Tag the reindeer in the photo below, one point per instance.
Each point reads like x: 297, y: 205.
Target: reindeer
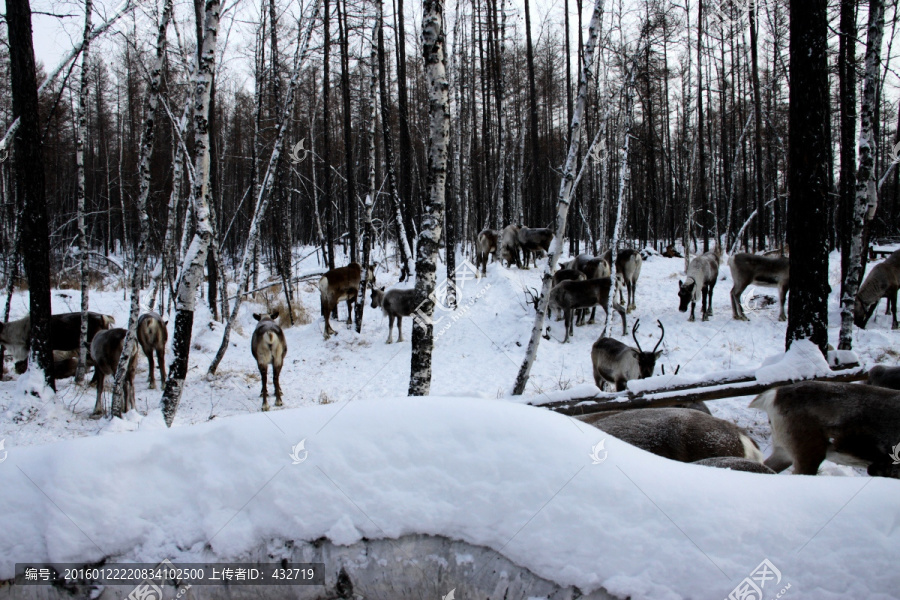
x: 594, y: 267
x: 559, y: 277
x: 733, y: 463
x: 341, y: 284
x: 106, y: 349
x: 571, y: 295
x: 268, y: 346
x: 508, y: 246
x: 886, y: 377
x: 883, y: 282
x: 65, y: 334
x: 679, y: 434
x: 701, y: 279
x: 758, y: 270
x: 484, y: 247
x: 856, y: 425
x: 628, y: 270
x: 534, y: 241
x: 152, y: 336
x: 396, y: 303
x: 618, y: 364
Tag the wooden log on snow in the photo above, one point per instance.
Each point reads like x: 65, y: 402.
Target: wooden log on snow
x: 697, y: 392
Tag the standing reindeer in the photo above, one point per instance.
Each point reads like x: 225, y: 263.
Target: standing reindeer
x: 701, y: 279
x: 152, y: 336
x: 268, y: 346
x: 883, y: 282
x: 628, y: 270
x: 508, y: 246
x: 856, y: 425
x: 534, y: 242
x: 571, y: 295
x: 396, y: 304
x: 618, y: 364
x: 341, y: 284
x: 484, y: 247
x: 758, y: 270
x: 106, y: 349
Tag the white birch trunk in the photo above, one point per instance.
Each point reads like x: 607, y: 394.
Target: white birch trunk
x: 866, y: 201
x: 565, y: 194
x: 147, y: 142
x: 195, y: 257
x: 430, y: 235
x: 501, y: 108
x: 81, y: 240
x: 262, y: 200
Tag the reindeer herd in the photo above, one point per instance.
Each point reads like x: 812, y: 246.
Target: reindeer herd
x: 857, y: 425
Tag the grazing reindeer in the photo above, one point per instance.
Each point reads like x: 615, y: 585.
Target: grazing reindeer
x: 65, y: 334
x: 341, y: 284
x: 508, y: 247
x: 758, y: 270
x: 882, y: 282
x: 886, y: 377
x: 856, y: 425
x: 558, y: 277
x: 534, y: 242
x: 396, y: 303
x: 594, y: 267
x: 678, y: 433
x: 701, y: 279
x: 268, y: 346
x: 106, y: 349
x: 618, y: 364
x: 152, y: 336
x: 628, y: 270
x: 571, y: 295
x: 485, y: 246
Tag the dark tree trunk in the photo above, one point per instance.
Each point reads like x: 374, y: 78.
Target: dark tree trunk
x: 847, y: 83
x: 406, y: 154
x: 534, y: 189
x: 807, y: 175
x: 29, y: 162
x: 757, y: 107
x: 348, y: 130
x: 326, y: 139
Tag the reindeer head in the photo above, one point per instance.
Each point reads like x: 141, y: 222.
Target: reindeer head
x: 265, y: 316
x: 377, y: 296
x: 862, y: 312
x: 533, y: 298
x: 686, y: 293
x: 647, y: 360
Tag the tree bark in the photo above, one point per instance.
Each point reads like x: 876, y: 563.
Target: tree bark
x: 565, y: 193
x: 348, y: 129
x: 29, y: 168
x: 808, y: 177
x: 761, y: 227
x: 866, y: 187
x: 80, y: 245
x: 433, y: 38
x: 195, y: 257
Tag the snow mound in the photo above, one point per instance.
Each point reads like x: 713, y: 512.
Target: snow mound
x: 802, y: 361
x: 520, y: 480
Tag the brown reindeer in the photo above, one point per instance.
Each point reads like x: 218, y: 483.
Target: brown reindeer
x: 485, y: 246
x: 508, y: 246
x: 106, y: 350
x: 883, y: 282
x: 569, y: 296
x: 152, y: 336
x: 341, y: 284
x: 628, y: 270
x: 618, y: 364
x: 534, y: 242
x: 702, y: 275
x: 758, y: 270
x: 268, y: 346
x: 856, y: 425
x: 65, y: 334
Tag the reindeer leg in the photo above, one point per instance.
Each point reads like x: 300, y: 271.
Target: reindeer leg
x: 709, y: 301
x: 399, y: 328
x: 691, y: 319
x: 892, y: 305
x: 593, y: 316
x: 568, y: 320
x: 276, y: 376
x: 784, y: 291
x: 151, y: 378
x: 350, y: 309
x: 779, y: 460
x: 98, y: 405
x: 621, y: 310
x: 264, y: 373
x: 704, y: 305
x: 161, y: 359
x: 738, y: 310
x: 390, y: 329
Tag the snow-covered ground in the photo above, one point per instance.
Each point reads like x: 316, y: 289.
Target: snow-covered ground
x: 472, y: 466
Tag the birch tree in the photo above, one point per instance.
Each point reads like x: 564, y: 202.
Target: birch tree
x: 433, y: 39
x: 262, y: 200
x: 565, y: 194
x: 148, y: 139
x: 195, y: 257
x: 80, y: 246
x: 866, y: 190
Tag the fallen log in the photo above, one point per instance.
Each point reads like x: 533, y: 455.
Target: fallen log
x: 696, y: 392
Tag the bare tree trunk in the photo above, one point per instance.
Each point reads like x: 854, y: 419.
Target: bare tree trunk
x: 848, y: 93
x: 433, y: 38
x: 565, y: 193
x: 757, y: 108
x: 195, y: 257
x: 121, y: 387
x: 80, y: 245
x: 866, y: 192
x: 348, y: 129
x: 262, y: 201
x: 30, y: 182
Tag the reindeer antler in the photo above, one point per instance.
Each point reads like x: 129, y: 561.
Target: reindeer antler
x: 533, y: 298
x: 633, y: 332
x: 658, y: 322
